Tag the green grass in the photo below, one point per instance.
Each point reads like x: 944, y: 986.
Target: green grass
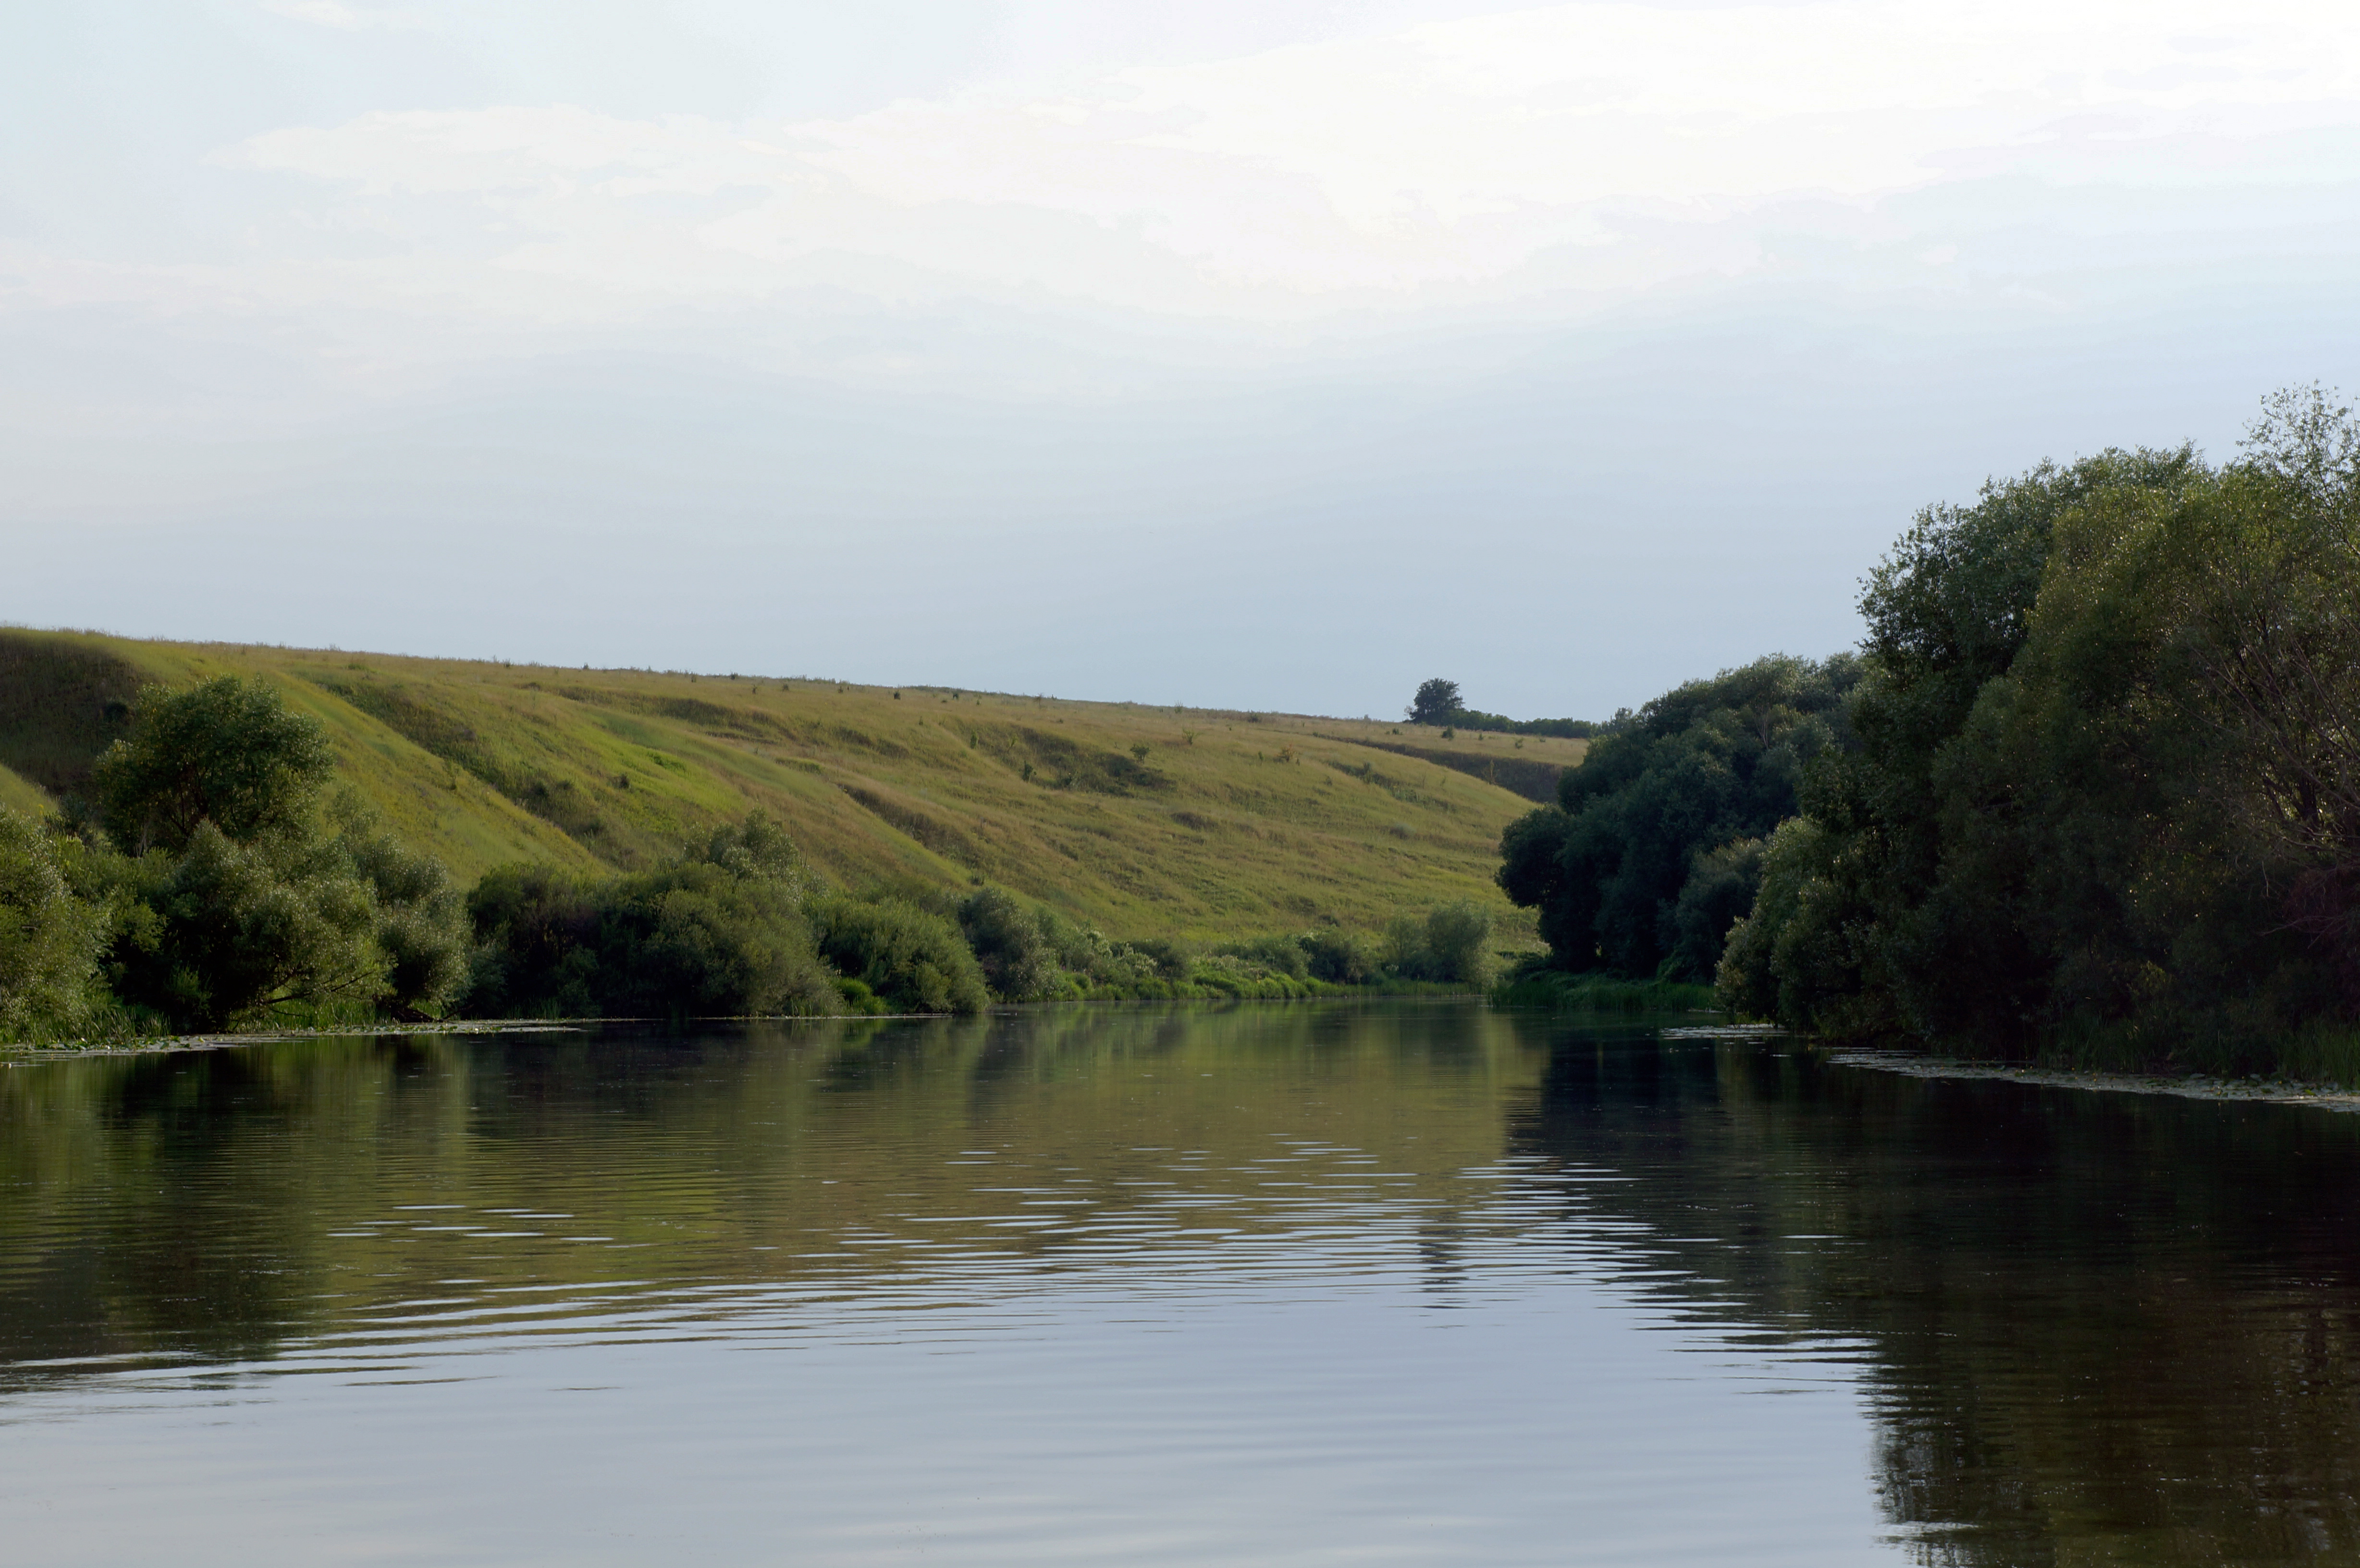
x: 1143, y: 821
x: 20, y: 793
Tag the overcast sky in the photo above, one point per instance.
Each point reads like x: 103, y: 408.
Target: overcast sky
x: 1275, y: 354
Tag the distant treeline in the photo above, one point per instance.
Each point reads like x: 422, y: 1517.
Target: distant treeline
x: 1499, y: 723
x: 1437, y: 702
x: 211, y: 880
x: 2089, y: 790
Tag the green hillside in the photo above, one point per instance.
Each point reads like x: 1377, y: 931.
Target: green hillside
x: 1143, y: 821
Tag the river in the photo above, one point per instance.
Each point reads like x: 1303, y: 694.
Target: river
x: 1315, y: 1284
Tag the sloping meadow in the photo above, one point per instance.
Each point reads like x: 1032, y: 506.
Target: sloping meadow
x: 1145, y: 820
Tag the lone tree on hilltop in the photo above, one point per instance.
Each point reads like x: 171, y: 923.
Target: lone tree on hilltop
x: 1437, y: 703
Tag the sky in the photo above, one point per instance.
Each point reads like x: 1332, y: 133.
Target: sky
x: 1277, y: 354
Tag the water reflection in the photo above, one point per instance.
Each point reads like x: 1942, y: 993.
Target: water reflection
x: 2098, y: 1327
x: 1415, y: 1283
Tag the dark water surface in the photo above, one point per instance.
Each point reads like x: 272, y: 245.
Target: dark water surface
x: 1301, y: 1285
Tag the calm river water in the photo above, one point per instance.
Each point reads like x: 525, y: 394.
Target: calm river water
x: 1315, y: 1284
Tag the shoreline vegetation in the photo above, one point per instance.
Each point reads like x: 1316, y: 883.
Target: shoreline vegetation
x: 214, y: 871
x: 2087, y: 797
x: 39, y: 1050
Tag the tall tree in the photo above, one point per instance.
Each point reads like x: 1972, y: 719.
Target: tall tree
x: 1437, y: 703
x: 225, y: 751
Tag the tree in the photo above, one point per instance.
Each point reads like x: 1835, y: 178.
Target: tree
x: 49, y: 939
x: 718, y: 933
x: 2107, y: 793
x: 227, y: 932
x: 1643, y: 865
x: 1450, y: 942
x: 916, y: 960
x: 1008, y: 942
x: 225, y: 751
x: 421, y: 922
x: 537, y: 944
x: 1437, y: 703
x: 235, y: 896
x: 696, y: 939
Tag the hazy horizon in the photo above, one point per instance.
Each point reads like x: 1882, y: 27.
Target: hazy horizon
x: 1272, y: 357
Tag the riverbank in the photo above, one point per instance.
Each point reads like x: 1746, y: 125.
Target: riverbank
x: 2275, y: 1090
x: 13, y: 1053
x: 161, y: 1045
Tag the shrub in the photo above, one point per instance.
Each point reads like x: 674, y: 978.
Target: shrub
x: 693, y: 940
x: 227, y: 932
x: 536, y: 935
x: 49, y: 939
x: 755, y: 849
x: 421, y: 922
x: 916, y: 961
x: 1010, y: 944
x: 1338, y: 957
x: 859, y: 999
x: 1449, y: 943
x: 1278, y: 955
x: 1089, y: 960
x: 1171, y: 960
x: 718, y: 933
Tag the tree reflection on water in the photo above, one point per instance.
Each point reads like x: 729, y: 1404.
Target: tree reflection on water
x: 2088, y: 1327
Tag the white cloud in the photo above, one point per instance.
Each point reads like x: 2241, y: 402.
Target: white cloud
x: 1451, y: 155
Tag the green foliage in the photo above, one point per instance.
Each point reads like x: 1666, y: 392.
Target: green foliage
x: 1171, y: 960
x: 1010, y: 946
x: 1718, y: 893
x: 1633, y: 871
x: 695, y: 940
x: 1792, y: 957
x: 2106, y: 798
x: 1277, y: 955
x: 718, y: 933
x: 911, y: 958
x: 755, y: 849
x: 49, y: 939
x: 224, y: 933
x: 235, y: 902
x: 225, y: 751
x: 1339, y: 957
x: 1437, y: 703
x: 1449, y: 943
x: 536, y: 953
x: 421, y: 920
x: 1233, y: 976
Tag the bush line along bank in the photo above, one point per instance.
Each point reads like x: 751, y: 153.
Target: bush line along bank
x: 2090, y: 792
x: 212, y: 880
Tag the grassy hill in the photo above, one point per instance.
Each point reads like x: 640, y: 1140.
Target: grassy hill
x: 1143, y: 821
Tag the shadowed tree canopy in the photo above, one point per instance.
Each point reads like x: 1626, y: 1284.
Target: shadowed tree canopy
x: 225, y: 752
x: 1653, y: 849
x: 2107, y: 791
x: 239, y: 896
x: 1437, y: 703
